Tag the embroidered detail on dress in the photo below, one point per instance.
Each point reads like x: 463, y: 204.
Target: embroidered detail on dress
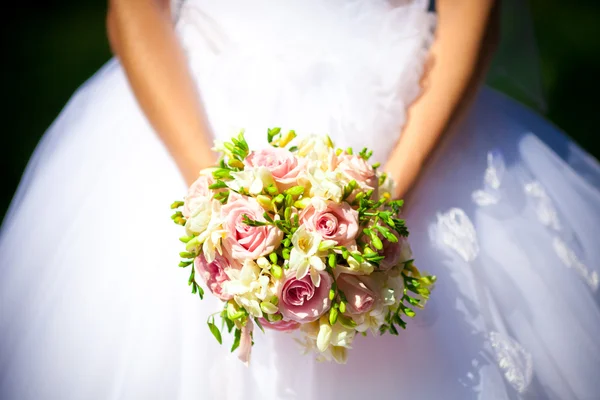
x: 513, y: 360
x: 570, y: 259
x: 455, y: 230
x: 545, y: 210
x: 492, y: 180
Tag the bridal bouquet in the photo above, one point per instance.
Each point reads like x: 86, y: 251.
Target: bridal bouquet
x: 299, y: 236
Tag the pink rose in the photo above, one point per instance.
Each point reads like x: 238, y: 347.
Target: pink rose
x: 338, y: 221
x: 301, y: 301
x: 281, y: 326
x: 198, y: 190
x: 283, y: 165
x: 245, y: 241
x: 356, y: 168
x: 391, y: 251
x: 394, y: 253
x: 362, y: 292
x: 213, y: 274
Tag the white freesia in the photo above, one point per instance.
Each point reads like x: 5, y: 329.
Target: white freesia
x: 360, y: 267
x: 388, y: 185
x: 315, y: 147
x: 395, y: 282
x: 198, y: 222
x: 328, y: 342
x: 304, y: 258
x: 323, y: 184
x: 252, y: 180
x: 219, y: 147
x: 388, y: 296
x: 371, y: 320
x: 341, y: 336
x: 324, y: 335
x: 249, y: 287
x: 405, y: 251
x: 339, y: 354
x: 263, y: 263
x: 207, y: 226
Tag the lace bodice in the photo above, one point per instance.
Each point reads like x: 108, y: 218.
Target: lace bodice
x: 348, y: 68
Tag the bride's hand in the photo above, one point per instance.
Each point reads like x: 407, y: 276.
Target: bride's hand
x: 404, y: 171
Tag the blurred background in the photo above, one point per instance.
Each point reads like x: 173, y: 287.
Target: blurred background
x: 52, y: 46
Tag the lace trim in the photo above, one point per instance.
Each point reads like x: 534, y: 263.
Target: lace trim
x: 514, y: 361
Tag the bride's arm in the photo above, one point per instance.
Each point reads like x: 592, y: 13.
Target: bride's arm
x: 142, y: 35
x: 465, y: 40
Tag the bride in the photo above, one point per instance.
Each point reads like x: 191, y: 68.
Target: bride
x: 505, y: 211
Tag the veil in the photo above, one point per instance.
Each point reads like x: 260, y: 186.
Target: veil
x: 515, y: 69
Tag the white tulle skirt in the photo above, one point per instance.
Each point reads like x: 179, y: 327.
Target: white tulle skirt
x: 93, y: 306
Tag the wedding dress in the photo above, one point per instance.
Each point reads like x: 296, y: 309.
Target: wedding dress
x: 507, y: 215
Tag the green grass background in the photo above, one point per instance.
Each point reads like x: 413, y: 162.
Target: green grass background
x: 51, y: 47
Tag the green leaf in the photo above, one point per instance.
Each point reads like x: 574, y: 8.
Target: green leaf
x: 408, y: 312
x: 383, y: 329
x: 236, y: 340
x: 259, y: 325
x: 385, y: 232
x: 185, y: 254
x: 250, y: 222
x: 215, y: 331
x: 184, y: 264
x: 293, y: 149
x: 200, y: 292
x: 393, y: 330
x: 399, y: 321
x: 267, y: 217
x: 412, y: 301
x: 229, y: 323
